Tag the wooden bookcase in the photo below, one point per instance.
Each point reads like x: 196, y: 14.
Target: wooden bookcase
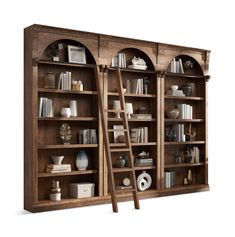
x: 41, y: 134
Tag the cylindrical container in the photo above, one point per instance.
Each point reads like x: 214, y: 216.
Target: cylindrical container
x: 66, y: 112
x: 82, y: 160
x: 73, y: 108
x: 55, y: 194
x: 49, y: 80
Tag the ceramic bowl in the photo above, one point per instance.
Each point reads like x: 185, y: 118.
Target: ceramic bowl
x: 57, y: 159
x: 174, y: 87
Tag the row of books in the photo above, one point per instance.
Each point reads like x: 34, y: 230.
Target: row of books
x: 51, y: 168
x: 186, y: 111
x: 87, y: 136
x: 169, y: 179
x: 119, y: 60
x: 176, y: 66
x: 136, y: 86
x: 139, y: 135
x: 65, y: 81
x: 45, y: 107
x: 179, y: 132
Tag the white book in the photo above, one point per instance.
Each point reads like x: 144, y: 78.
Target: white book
x: 181, y: 69
x: 44, y: 109
x: 40, y: 107
x: 69, y: 81
x: 60, y: 81
x: 177, y: 66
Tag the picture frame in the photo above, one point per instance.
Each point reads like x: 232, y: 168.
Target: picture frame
x: 76, y: 54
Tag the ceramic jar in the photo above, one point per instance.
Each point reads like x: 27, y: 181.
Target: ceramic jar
x: 120, y: 162
x: 172, y: 113
x: 49, y: 80
x: 187, y: 89
x: 66, y: 112
x: 82, y: 160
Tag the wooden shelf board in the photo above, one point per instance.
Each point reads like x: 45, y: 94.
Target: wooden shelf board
x: 66, y: 201
x: 184, y: 120
x: 133, y: 70
x: 132, y: 120
x: 67, y: 119
x: 133, y: 144
x: 133, y: 95
x: 67, y: 64
x: 184, y: 143
x: 183, y: 97
x: 185, y: 187
x: 45, y: 90
x: 145, y: 167
x: 184, y: 75
x: 183, y: 165
x: 74, y: 172
x: 62, y: 146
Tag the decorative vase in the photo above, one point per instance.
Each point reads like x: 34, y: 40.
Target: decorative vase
x: 82, y: 160
x: 172, y: 113
x: 49, y: 80
x: 120, y: 162
x: 73, y: 108
x: 57, y: 160
x: 55, y: 194
x: 66, y: 112
x: 187, y: 89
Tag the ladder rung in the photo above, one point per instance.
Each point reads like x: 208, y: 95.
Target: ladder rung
x: 117, y: 129
x: 118, y: 145
x: 115, y: 110
x: 120, y: 150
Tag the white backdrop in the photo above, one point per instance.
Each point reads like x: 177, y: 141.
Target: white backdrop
x: 202, y: 24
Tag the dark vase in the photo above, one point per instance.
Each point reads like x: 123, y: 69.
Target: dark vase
x: 187, y: 90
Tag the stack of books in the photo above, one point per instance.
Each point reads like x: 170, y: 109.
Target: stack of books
x: 136, y: 86
x: 139, y: 135
x: 87, y: 136
x: 177, y: 66
x: 179, y: 131
x: 65, y: 81
x: 52, y: 168
x: 169, y: 179
x: 45, y: 107
x: 119, y: 60
x: 186, y: 111
x: 141, y: 116
x: 175, y: 93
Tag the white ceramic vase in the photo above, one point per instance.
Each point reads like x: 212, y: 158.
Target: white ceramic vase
x: 82, y: 160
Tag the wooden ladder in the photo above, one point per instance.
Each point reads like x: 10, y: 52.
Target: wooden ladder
x: 104, y: 112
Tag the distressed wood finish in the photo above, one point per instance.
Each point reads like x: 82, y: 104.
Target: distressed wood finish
x: 41, y: 134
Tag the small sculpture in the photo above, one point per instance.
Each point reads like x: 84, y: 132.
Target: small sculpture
x: 188, y: 64
x: 170, y: 134
x: 138, y: 61
x: 65, y: 133
x: 189, y: 135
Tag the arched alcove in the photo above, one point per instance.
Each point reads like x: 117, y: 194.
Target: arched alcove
x: 130, y: 53
x: 189, y: 64
x: 59, y: 49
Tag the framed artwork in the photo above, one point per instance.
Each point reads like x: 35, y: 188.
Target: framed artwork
x: 76, y: 54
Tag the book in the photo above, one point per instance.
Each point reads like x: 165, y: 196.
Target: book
x: 142, y: 116
x: 62, y: 166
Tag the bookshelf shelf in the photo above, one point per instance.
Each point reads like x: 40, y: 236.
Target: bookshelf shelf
x: 42, y: 138
x: 69, y: 146
x: 67, y: 119
x: 132, y: 120
x: 72, y: 173
x: 184, y: 76
x: 65, y: 64
x: 185, y: 143
x: 183, y: 97
x: 134, y: 70
x: 167, y: 166
x: 43, y: 90
x: 133, y: 95
x: 184, y: 120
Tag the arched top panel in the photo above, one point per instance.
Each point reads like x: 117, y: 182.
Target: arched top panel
x: 130, y: 53
x: 185, y: 64
x: 66, y: 50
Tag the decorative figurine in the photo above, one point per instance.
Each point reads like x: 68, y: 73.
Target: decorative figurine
x: 55, y: 194
x: 65, y: 133
x: 189, y: 135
